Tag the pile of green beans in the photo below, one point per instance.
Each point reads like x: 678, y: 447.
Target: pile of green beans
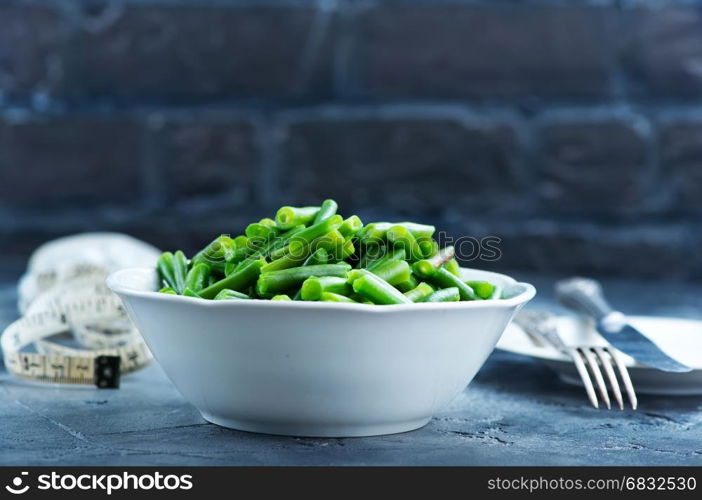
x: 314, y: 254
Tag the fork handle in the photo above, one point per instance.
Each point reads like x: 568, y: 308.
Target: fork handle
x: 583, y: 295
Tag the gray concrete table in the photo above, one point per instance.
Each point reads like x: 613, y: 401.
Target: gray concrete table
x: 516, y: 412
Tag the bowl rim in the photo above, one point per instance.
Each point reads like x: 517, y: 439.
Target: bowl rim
x: 529, y: 291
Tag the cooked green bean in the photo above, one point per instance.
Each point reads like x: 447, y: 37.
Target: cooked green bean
x: 285, y: 262
x: 238, y: 280
x: 444, y: 295
x: 281, y: 298
x: 197, y: 277
x: 312, y: 288
x: 228, y: 294
x: 320, y: 256
x: 401, y: 237
x: 180, y: 270
x: 311, y: 233
x: 307, y: 253
x: 408, y: 285
x: 428, y: 247
x: 260, y: 233
x: 165, y: 270
x: 443, y: 278
x: 419, y: 292
x: 391, y: 254
x: 288, y: 217
x: 378, y: 290
x: 393, y: 271
x: 453, y: 267
x: 483, y: 289
x: 335, y: 297
x: 378, y: 230
x: 326, y: 210
x: 280, y: 281
x: 442, y: 256
x: 351, y: 226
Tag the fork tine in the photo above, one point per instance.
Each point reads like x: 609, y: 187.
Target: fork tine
x: 595, y: 369
x: 606, y: 362
x: 582, y: 371
x: 624, y: 374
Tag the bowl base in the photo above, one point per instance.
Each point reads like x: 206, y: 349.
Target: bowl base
x: 317, y: 430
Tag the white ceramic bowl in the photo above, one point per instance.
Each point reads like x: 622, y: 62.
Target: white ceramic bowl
x: 317, y: 369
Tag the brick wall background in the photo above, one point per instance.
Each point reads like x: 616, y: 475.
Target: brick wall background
x: 571, y: 129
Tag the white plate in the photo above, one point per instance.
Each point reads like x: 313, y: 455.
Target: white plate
x: 680, y: 338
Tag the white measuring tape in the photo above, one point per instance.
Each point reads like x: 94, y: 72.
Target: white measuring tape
x: 71, y: 298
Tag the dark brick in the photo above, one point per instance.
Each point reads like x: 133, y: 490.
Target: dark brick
x: 593, y: 165
x: 478, y: 51
x: 406, y: 165
x: 681, y: 162
x: 177, y: 51
x: 30, y: 46
x: 201, y: 156
x: 69, y: 160
x: 551, y: 247
x: 662, y: 50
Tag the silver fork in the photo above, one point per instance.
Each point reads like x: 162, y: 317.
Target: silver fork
x: 541, y: 328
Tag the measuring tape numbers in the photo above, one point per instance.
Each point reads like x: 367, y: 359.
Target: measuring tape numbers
x: 84, y: 307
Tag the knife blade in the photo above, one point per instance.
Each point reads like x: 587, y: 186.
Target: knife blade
x: 585, y: 296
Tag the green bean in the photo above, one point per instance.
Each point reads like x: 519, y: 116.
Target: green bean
x: 312, y: 288
x: 280, y: 281
x: 444, y: 295
x: 285, y: 262
x: 483, y: 289
x: 227, y: 294
x: 320, y: 256
x: 241, y: 241
x: 453, y: 267
x: 168, y: 290
x: 419, y: 292
x: 346, y: 250
x: 442, y: 256
x: 426, y: 267
x: 390, y: 255
x: 393, y: 271
x: 429, y: 247
x: 378, y: 290
x: 238, y: 280
x: 288, y: 217
x: 351, y: 226
x: 442, y: 278
x: 378, y: 230
x: 218, y: 251
x: 190, y: 293
x: 419, y: 231
x: 165, y: 270
x: 260, y: 233
x: 281, y: 298
x: 308, y: 235
x: 408, y: 285
x: 332, y: 242
x: 401, y: 237
x: 197, y: 277
x: 180, y: 270
x: 326, y: 210
x: 335, y: 297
